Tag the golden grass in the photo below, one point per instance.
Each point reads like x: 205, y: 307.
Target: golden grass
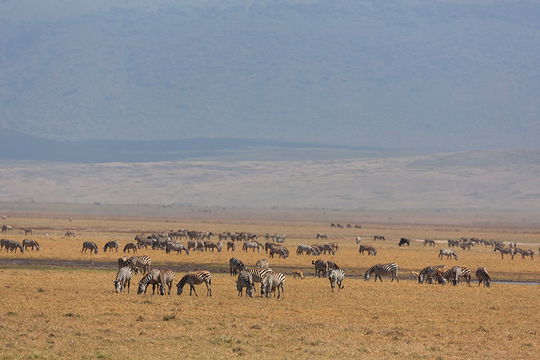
x: 50, y: 314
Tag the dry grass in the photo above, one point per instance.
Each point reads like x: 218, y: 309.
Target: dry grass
x: 74, y: 313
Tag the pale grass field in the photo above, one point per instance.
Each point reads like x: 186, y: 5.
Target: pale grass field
x: 66, y: 313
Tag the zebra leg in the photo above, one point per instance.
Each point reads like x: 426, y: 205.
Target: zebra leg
x: 128, y: 284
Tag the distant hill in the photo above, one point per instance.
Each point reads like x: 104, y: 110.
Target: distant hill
x: 473, y: 181
x: 15, y: 145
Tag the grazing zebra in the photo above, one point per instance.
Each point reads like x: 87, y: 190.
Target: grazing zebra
x: 123, y: 278
x: 336, y: 277
x: 231, y: 246
x: 245, y: 280
x: 370, y: 250
x: 429, y: 242
x: 166, y: 277
x: 453, y: 275
x: 523, y: 253
x: 210, y: 245
x: 404, y: 241
x: 382, y: 269
x: 130, y: 246
x: 271, y: 282
x: 113, y: 244
x: 428, y: 273
x: 195, y: 278
x: 89, y: 245
x: 235, y: 266
x: 483, y: 277
x: 447, y: 253
x: 262, y: 264
x: 140, y: 263
x: 27, y: 243
x: 321, y: 267
x: 11, y: 245
x: 504, y: 251
x: 251, y: 245
x: 304, y: 249
x: 258, y: 274
x: 464, y: 273
x: 298, y: 274
x: 152, y: 278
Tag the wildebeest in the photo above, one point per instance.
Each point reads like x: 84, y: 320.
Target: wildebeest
x: 130, y: 246
x: 113, y: 244
x: 178, y: 247
x: 27, y: 243
x: 404, y: 241
x: 89, y: 245
x: 321, y: 267
x: 280, y: 250
x: 370, y: 250
x: 70, y: 233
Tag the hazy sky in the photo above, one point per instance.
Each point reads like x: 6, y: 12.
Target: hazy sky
x: 425, y: 75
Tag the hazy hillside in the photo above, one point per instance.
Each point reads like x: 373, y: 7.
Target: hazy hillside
x: 435, y: 75
x: 471, y: 180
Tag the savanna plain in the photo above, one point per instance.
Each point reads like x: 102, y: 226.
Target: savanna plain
x: 60, y: 303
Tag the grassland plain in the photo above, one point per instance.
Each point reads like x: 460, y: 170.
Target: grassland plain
x: 58, y: 312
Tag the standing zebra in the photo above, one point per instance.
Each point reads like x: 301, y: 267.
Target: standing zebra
x: 235, y: 266
x: 370, y: 250
x: 382, y: 269
x: 271, y: 282
x: 429, y: 242
x: 195, y: 278
x: 166, y: 277
x: 336, y: 277
x: 89, y: 245
x: 447, y: 253
x: 123, y: 278
x: 141, y: 263
x: 503, y: 251
x: 483, y: 276
x: 152, y: 278
x: 245, y: 280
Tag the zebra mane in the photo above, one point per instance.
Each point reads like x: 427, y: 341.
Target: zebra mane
x: 183, y: 280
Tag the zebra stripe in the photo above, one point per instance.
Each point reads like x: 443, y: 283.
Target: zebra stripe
x: 166, y: 277
x: 378, y: 270
x: 123, y: 278
x: 483, y: 277
x: 447, y: 253
x: 428, y: 273
x: 271, y: 282
x: 140, y: 263
x: 195, y: 278
x: 457, y: 273
x: 257, y: 275
x: 336, y: 277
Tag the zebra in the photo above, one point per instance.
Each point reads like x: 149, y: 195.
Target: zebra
x: 404, y: 241
x: 271, y: 282
x: 130, y: 246
x: 321, y: 236
x: 27, y: 231
x: 11, y: 245
x: 301, y: 249
x: 523, y: 253
x: 336, y: 277
x: 245, y: 280
x: 235, y: 266
x: 504, y: 251
x: 382, y: 269
x: 122, y: 262
x: 453, y: 275
x: 166, y: 277
x: 330, y: 248
x: 447, y: 253
x: 251, y: 245
x: 195, y: 278
x: 262, y: 264
x: 370, y: 250
x: 231, y: 246
x: 378, y: 237
x: 321, y: 267
x: 483, y: 276
x: 27, y: 243
x: 429, y: 242
x: 89, y: 245
x: 464, y: 273
x: 258, y: 274
x: 140, y: 263
x: 427, y: 273
x: 151, y: 278
x: 123, y: 278
x: 113, y: 244
x: 70, y: 233
x: 210, y: 245
x: 176, y: 247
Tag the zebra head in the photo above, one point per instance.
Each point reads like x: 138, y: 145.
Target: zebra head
x: 179, y: 289
x: 117, y: 286
x: 142, y: 288
x: 367, y: 275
